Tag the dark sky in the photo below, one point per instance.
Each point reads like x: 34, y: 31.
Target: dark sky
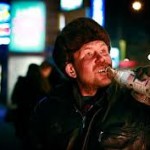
x: 134, y: 27
x: 121, y: 14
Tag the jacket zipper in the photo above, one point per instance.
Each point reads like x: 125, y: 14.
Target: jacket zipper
x: 83, y: 116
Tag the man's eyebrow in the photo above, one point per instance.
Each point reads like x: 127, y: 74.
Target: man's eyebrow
x: 86, y: 47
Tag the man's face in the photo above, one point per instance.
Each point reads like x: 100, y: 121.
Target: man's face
x: 90, y: 64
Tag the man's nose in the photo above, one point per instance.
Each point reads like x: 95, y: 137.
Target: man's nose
x: 99, y: 58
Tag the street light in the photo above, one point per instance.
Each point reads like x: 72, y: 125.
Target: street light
x: 137, y: 5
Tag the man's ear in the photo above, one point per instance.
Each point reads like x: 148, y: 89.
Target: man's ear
x: 70, y: 70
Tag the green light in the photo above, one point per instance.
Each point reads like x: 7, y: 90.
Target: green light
x: 27, y: 27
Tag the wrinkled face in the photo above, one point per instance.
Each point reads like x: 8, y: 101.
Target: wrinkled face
x: 90, y: 63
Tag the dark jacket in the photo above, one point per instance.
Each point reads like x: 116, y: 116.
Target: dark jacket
x: 110, y: 120
x: 27, y: 91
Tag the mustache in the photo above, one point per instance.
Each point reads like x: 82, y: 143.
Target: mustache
x: 98, y: 66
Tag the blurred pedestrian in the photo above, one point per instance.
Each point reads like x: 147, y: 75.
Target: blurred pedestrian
x: 24, y: 96
x: 27, y: 91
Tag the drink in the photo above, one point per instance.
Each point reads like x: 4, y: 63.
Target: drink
x: 127, y: 78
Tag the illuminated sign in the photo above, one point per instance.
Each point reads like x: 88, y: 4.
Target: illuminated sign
x: 4, y: 29
x: 27, y: 26
x: 115, y: 55
x: 97, y: 11
x: 4, y: 23
x: 68, y: 5
x: 4, y: 13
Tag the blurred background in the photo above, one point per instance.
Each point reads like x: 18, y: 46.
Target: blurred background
x: 28, y: 29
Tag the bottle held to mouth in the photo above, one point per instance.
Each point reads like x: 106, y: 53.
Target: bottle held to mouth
x: 127, y: 78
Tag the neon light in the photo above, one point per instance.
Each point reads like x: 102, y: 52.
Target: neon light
x: 4, y: 23
x: 97, y: 11
x: 4, y: 29
x: 68, y: 5
x: 61, y: 21
x: 4, y: 12
x: 28, y: 27
x: 114, y: 53
x: 4, y: 40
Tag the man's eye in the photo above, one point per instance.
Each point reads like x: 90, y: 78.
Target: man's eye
x: 89, y: 54
x: 104, y: 51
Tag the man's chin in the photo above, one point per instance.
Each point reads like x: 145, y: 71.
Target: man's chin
x: 104, y: 83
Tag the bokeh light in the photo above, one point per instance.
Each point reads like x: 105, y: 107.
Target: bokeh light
x: 137, y: 5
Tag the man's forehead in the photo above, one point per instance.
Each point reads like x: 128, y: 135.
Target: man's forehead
x: 93, y: 43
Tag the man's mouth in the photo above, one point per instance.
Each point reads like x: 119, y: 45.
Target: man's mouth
x: 104, y: 70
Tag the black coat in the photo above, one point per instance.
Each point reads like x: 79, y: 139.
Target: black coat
x: 112, y: 120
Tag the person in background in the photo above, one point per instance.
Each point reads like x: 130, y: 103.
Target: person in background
x: 89, y: 111
x: 27, y: 91
x: 24, y: 96
x: 45, y: 70
x: 50, y: 76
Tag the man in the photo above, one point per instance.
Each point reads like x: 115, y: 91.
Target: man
x: 89, y: 111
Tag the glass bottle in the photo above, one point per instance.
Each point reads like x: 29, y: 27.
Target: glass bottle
x: 126, y: 77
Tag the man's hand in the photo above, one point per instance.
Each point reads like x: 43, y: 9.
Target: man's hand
x: 143, y: 73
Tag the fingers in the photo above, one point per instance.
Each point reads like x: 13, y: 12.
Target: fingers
x: 141, y: 98
x: 147, y: 70
x: 143, y: 73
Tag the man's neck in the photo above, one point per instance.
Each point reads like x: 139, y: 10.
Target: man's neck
x: 87, y: 90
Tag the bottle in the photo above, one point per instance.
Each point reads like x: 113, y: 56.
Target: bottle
x: 127, y: 78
